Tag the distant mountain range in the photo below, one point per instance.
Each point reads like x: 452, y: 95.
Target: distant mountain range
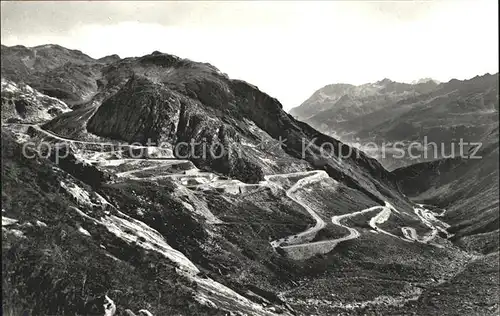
x: 389, y: 112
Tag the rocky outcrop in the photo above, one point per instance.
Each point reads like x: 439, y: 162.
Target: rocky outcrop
x: 23, y: 104
x: 109, y: 59
x: 142, y: 110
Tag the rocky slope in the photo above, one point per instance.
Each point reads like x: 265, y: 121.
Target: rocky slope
x: 66, y: 74
x: 21, y: 103
x: 120, y: 213
x: 389, y: 112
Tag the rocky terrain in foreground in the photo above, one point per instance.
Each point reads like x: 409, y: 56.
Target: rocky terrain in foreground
x: 111, y: 207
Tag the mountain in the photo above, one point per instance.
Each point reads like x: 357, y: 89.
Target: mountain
x: 171, y: 189
x: 344, y: 102
x: 162, y: 98
x: 66, y: 74
x: 422, y: 113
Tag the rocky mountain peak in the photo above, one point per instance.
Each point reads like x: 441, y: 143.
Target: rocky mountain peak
x: 425, y: 80
x: 384, y: 81
x: 109, y: 59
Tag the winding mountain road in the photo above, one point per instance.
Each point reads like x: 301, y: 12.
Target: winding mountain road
x: 302, y: 239
x: 379, y: 218
x: 310, y: 177
x: 428, y: 218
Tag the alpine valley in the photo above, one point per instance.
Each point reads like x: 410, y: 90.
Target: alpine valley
x: 426, y: 119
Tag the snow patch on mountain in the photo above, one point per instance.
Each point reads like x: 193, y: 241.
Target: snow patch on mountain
x: 22, y: 103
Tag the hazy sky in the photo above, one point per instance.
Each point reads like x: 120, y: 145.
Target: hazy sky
x: 287, y: 49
